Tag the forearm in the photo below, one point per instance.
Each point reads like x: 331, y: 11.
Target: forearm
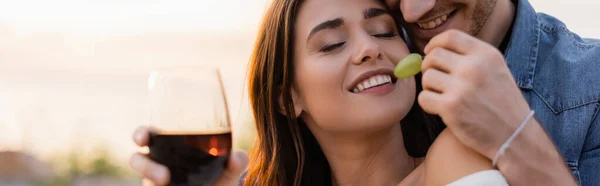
x: 533, y: 159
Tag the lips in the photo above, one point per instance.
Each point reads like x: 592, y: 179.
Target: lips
x: 372, y: 79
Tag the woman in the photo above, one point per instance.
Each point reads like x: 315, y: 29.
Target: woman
x: 327, y: 107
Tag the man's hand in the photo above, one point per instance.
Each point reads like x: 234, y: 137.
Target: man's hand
x: 467, y: 82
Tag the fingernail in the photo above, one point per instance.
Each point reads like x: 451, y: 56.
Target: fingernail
x: 138, y: 137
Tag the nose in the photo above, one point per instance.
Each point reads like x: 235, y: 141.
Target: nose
x: 415, y: 9
x: 368, y: 51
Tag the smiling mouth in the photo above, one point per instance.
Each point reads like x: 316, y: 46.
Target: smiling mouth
x: 374, y: 81
x: 435, y: 22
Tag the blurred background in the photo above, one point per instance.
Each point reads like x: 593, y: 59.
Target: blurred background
x: 73, y: 76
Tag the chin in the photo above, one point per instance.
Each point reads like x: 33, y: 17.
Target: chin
x: 382, y: 118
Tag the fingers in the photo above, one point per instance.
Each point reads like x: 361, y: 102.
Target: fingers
x: 154, y: 173
x: 238, y: 161
x: 436, y: 81
x: 429, y: 101
x: 151, y: 170
x: 453, y: 40
x: 141, y: 136
x: 441, y: 59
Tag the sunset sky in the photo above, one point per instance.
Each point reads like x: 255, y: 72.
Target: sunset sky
x: 73, y: 73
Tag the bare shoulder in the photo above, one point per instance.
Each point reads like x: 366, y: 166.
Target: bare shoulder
x: 449, y: 160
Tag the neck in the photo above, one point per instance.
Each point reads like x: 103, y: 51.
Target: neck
x: 376, y: 158
x: 498, y: 23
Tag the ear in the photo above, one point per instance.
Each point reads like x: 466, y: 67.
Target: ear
x: 296, y: 102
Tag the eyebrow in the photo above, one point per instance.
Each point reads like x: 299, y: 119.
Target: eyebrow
x: 326, y: 25
x: 374, y: 12
x: 331, y: 24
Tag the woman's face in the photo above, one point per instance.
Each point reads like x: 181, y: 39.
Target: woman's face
x: 344, y: 55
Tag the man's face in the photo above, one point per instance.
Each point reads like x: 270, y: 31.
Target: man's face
x: 424, y: 19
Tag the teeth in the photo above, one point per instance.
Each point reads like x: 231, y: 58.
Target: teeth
x: 367, y: 84
x: 435, y: 23
x: 371, y: 82
x: 379, y: 80
x: 432, y: 24
x: 438, y: 21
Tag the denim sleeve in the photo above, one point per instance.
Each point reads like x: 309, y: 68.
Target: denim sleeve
x: 589, y: 163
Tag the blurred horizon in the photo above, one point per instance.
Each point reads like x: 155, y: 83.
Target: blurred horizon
x: 73, y: 73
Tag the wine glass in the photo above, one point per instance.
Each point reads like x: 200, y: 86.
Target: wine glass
x: 191, y: 132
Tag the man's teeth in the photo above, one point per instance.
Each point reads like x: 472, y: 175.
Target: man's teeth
x: 372, y: 82
x: 435, y: 23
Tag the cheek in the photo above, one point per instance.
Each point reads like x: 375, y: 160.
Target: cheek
x: 395, y: 50
x: 463, y: 20
x: 320, y: 82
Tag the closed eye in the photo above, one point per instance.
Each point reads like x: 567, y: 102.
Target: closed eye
x: 328, y: 48
x: 386, y: 35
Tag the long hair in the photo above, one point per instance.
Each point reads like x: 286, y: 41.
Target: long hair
x: 285, y: 151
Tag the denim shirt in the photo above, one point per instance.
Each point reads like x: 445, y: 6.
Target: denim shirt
x: 558, y: 72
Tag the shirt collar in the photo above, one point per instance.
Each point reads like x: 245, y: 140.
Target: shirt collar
x: 522, y: 50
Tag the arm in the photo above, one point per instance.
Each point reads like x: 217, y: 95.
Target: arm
x: 449, y: 160
x: 415, y: 177
x: 532, y: 159
x: 467, y: 82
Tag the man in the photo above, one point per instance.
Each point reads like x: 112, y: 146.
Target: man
x: 468, y: 83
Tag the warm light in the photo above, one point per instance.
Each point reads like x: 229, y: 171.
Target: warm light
x: 213, y: 151
x: 213, y: 143
x: 152, y: 80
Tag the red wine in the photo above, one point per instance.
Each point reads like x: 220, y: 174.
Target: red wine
x: 194, y: 159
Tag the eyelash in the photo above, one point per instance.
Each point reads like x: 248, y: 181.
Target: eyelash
x: 386, y: 35
x: 328, y: 48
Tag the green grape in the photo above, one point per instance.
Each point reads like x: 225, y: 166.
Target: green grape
x: 408, y: 66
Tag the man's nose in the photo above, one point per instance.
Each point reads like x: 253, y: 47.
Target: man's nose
x: 415, y: 9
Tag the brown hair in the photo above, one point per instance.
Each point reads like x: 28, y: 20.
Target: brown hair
x: 286, y: 152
